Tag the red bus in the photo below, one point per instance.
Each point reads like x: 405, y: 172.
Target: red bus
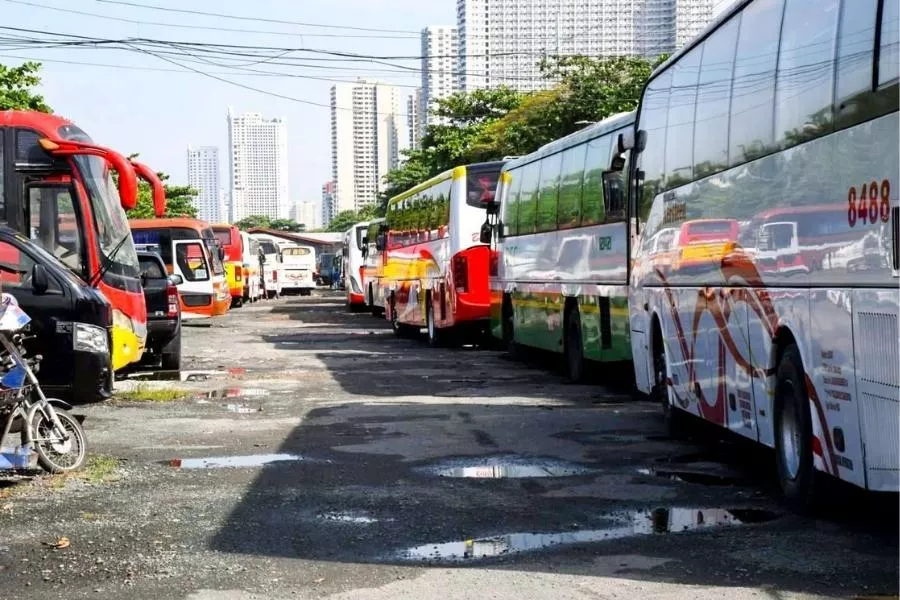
x: 58, y: 189
x: 436, y: 267
x: 229, y: 238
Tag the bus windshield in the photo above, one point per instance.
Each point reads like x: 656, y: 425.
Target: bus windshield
x: 110, y: 223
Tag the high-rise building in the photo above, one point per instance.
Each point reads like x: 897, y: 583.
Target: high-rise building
x: 305, y: 212
x: 414, y: 119
x: 329, y: 206
x: 203, y: 176
x: 440, y: 68
x: 501, y: 42
x: 719, y: 6
x: 259, y: 166
x: 365, y: 118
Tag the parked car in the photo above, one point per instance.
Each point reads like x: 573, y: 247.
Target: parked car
x: 163, y: 312
x: 71, y: 322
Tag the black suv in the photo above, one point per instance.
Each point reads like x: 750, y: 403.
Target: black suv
x: 163, y: 312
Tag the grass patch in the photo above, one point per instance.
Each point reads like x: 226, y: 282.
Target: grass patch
x: 99, y: 468
x: 145, y: 393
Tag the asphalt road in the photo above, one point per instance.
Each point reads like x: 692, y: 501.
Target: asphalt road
x: 318, y: 456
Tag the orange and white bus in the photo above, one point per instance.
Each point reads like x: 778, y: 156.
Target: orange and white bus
x: 373, y: 266
x: 436, y: 267
x: 229, y: 238
x: 190, y: 249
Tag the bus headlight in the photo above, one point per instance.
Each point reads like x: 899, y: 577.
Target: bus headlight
x: 90, y: 338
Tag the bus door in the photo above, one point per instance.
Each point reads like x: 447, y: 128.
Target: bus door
x: 53, y: 221
x: 197, y: 292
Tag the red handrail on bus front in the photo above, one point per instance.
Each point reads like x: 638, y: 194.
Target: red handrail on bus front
x: 127, y: 177
x: 159, y: 192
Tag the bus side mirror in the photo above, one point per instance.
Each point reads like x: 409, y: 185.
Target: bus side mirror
x: 487, y: 233
x: 40, y: 280
x: 632, y: 140
x: 379, y: 242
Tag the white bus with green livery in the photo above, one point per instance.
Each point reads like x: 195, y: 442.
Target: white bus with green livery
x: 559, y: 271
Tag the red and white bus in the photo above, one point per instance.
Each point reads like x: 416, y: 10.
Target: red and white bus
x: 770, y: 143
x: 436, y: 268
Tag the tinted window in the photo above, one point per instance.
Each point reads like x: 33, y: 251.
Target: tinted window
x: 803, y: 97
x: 528, y: 197
x: 753, y: 88
x: 511, y: 201
x: 714, y: 100
x: 889, y: 53
x: 855, y: 45
x: 596, y: 161
x: 150, y: 268
x: 549, y: 192
x: 296, y: 251
x: 571, y: 179
x: 680, y: 124
x: 2, y: 196
x: 654, y: 109
x: 481, y: 186
x: 191, y: 261
x: 54, y: 224
x: 16, y: 267
x: 442, y: 201
x: 269, y: 247
x: 224, y: 236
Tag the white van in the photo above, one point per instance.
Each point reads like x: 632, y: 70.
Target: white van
x: 271, y: 264
x: 252, y: 268
x: 299, y: 268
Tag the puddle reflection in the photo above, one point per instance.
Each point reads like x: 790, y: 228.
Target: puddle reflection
x: 626, y: 524
x: 222, y: 462
x: 504, y: 467
x: 356, y: 519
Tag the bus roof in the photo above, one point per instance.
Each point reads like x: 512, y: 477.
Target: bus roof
x: 454, y: 172
x: 355, y: 226
x: 172, y: 222
x: 224, y: 227
x: 46, y: 123
x: 590, y: 132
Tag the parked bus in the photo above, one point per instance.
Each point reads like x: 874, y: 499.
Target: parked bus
x: 299, y: 267
x: 436, y: 267
x: 270, y: 259
x: 781, y: 111
x: 352, y: 265
x: 190, y: 249
x: 560, y: 280
x: 229, y: 238
x: 373, y: 266
x: 58, y: 190
x: 252, y: 268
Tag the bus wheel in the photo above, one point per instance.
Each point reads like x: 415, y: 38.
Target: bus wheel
x: 509, y: 332
x: 395, y: 318
x: 434, y: 336
x: 574, y: 351
x: 793, y: 432
x: 374, y: 309
x: 674, y: 419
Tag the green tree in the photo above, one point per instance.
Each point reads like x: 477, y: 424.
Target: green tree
x: 17, y: 88
x: 344, y: 219
x: 253, y: 221
x: 287, y: 225
x: 179, y: 201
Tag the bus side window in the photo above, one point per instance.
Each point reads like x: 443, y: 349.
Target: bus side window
x: 2, y: 196
x: 571, y: 182
x: 596, y: 162
x: 889, y: 52
x: 680, y: 124
x: 713, y: 101
x: 654, y: 109
x: 531, y: 178
x: 855, y: 50
x: 511, y: 202
x: 805, y: 84
x: 548, y: 193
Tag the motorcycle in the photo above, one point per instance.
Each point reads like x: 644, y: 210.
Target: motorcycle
x: 45, y: 425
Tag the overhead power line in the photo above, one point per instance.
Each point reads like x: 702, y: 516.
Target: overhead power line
x: 257, y: 19
x: 207, y: 27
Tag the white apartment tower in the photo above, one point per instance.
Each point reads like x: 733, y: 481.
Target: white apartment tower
x: 440, y: 67
x: 259, y: 166
x: 365, y: 118
x: 501, y: 42
x: 414, y: 119
x: 203, y: 176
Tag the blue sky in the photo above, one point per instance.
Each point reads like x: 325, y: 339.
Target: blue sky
x: 158, y: 113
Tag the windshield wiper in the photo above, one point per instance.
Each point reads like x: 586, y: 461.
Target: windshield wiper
x: 109, y: 260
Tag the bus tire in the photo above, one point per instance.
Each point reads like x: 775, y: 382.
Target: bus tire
x: 170, y: 354
x: 372, y: 308
x: 675, y: 420
x: 793, y: 432
x: 574, y: 351
x: 432, y: 334
x: 396, y: 326
x: 509, y: 328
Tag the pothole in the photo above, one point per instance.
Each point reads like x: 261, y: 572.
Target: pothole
x: 504, y: 467
x: 223, y: 462
x: 626, y: 524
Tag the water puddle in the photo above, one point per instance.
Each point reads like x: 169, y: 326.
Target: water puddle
x: 224, y: 462
x: 232, y: 392
x: 505, y: 467
x: 625, y: 524
x: 343, y: 517
x: 713, y: 475
x: 242, y: 409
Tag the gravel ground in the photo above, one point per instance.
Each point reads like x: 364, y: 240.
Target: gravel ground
x: 315, y: 455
